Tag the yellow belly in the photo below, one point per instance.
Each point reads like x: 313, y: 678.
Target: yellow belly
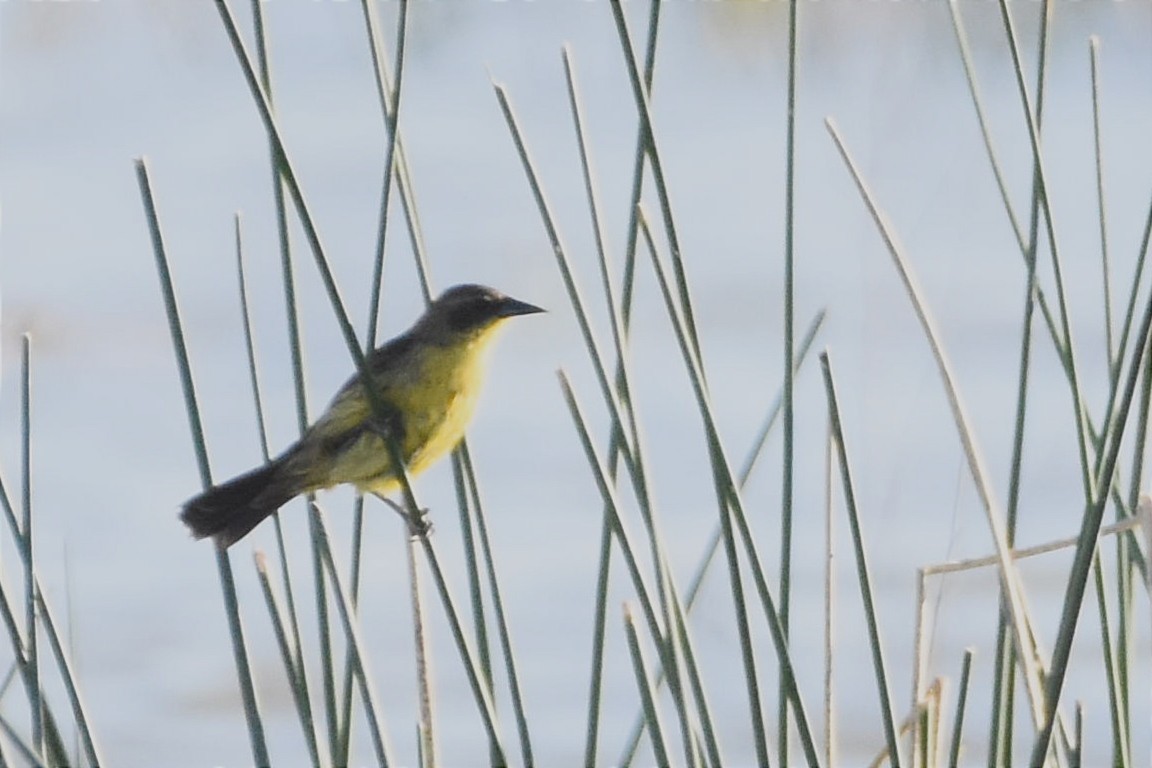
x: 435, y: 394
x: 430, y: 433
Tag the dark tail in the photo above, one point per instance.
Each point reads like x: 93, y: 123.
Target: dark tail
x: 230, y: 510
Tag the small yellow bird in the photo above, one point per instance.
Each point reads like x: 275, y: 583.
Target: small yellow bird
x: 427, y: 379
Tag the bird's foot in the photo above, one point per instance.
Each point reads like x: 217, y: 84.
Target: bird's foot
x: 419, y: 524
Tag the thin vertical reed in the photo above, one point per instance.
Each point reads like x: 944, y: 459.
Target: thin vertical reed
x: 22, y: 748
x: 55, y: 749
x: 466, y: 504
x: 829, y: 602
x: 1101, y: 208
x: 727, y: 498
x: 296, y: 351
x: 84, y: 732
x: 1119, y: 670
x: 789, y: 422
x: 471, y: 667
x: 36, y: 700
x: 223, y: 564
x: 518, y: 710
x: 425, y: 721
x: 862, y: 575
x: 643, y: 108
x: 632, y: 453
x: 961, y: 705
x: 734, y: 519
x: 290, y: 654
x: 677, y: 637
x: 1077, y: 753
x: 1082, y: 561
x: 388, y: 104
x: 603, y: 559
x: 372, y: 713
x: 1024, y: 246
x: 1041, y: 189
x: 392, y: 126
x: 1004, y: 676
x: 623, y: 386
x: 1009, y: 578
x: 712, y: 547
x: 1119, y: 732
x: 291, y: 648
x: 647, y: 697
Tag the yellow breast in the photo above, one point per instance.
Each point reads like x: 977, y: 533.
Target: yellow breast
x: 437, y: 400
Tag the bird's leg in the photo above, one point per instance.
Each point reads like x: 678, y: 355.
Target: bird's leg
x: 389, y: 427
x: 419, y: 524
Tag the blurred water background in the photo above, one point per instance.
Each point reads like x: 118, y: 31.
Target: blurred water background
x: 87, y: 86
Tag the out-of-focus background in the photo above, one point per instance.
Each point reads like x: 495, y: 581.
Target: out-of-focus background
x: 85, y: 87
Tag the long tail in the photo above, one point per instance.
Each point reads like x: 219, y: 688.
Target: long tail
x: 230, y: 510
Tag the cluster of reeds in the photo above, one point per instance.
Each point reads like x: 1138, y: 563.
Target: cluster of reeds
x: 675, y: 721
x: 39, y: 682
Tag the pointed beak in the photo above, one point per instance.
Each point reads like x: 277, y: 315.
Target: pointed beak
x: 510, y: 307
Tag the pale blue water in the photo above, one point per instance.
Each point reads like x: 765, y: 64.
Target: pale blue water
x: 87, y: 86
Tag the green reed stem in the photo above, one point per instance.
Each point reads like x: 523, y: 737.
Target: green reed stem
x: 733, y: 518
x: 471, y: 667
x: 614, y: 448
x: 961, y: 705
x: 518, y: 710
x: 1009, y: 578
x: 862, y: 574
x: 707, y: 557
x: 36, y: 700
x: 1085, y: 549
x: 789, y: 421
x: 647, y: 696
x: 291, y: 651
x: 55, y: 750
x: 223, y: 564
x: 372, y: 712
x: 296, y: 351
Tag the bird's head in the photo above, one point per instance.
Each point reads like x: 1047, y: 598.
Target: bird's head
x: 470, y: 311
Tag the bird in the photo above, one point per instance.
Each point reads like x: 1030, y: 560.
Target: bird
x: 425, y: 381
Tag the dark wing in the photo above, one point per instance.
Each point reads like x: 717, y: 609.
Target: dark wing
x: 350, y: 414
x: 384, y: 364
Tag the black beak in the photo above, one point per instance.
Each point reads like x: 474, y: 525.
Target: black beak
x: 510, y: 307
